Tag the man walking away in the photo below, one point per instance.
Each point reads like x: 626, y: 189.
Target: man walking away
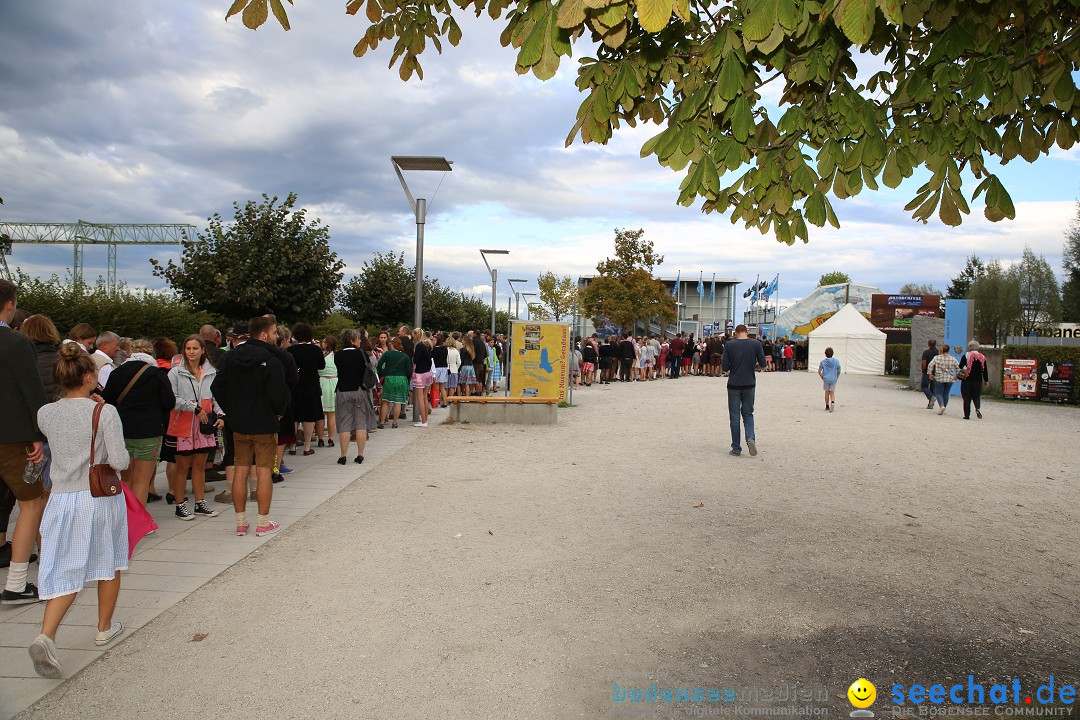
x: 740, y: 357
x: 21, y: 396
x: 250, y: 387
x: 927, y: 382
x: 675, y: 353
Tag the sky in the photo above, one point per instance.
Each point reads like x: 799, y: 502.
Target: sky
x: 163, y: 112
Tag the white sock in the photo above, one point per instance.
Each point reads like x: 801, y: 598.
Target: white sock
x: 16, y: 579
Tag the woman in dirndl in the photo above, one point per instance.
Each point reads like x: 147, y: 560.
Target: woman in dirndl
x: 394, y: 369
x: 83, y: 538
x: 191, y: 381
x: 328, y: 386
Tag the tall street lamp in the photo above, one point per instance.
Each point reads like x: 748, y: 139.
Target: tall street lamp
x: 517, y: 296
x: 419, y: 206
x: 494, y: 272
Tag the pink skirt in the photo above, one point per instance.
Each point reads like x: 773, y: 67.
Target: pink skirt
x: 420, y: 380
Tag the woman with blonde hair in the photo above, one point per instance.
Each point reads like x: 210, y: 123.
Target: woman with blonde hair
x: 453, y: 364
x: 467, y: 371
x: 83, y: 538
x: 423, y: 375
x: 191, y: 381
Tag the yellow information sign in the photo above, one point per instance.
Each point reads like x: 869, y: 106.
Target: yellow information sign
x: 539, y: 353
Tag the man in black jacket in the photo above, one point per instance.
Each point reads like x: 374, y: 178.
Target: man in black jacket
x: 21, y: 396
x: 250, y: 387
x: 626, y: 357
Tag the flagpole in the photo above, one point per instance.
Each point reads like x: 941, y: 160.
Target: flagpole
x: 776, y: 306
x: 712, y: 296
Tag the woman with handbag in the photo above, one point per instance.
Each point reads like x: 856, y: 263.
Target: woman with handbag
x: 84, y: 536
x: 352, y: 402
x: 141, y: 393
x: 194, y: 422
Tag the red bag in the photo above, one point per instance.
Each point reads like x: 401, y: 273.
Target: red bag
x: 139, y: 521
x: 434, y: 395
x: 181, y: 423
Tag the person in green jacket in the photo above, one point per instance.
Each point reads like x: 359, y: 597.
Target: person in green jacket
x: 394, y: 370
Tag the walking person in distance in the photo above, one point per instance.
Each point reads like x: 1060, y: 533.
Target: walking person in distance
x: 740, y: 357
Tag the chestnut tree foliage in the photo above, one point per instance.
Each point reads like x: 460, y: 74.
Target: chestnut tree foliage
x: 870, y: 91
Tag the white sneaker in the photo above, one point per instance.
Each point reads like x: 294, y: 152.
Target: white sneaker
x: 941, y: 411
x: 106, y: 637
x: 419, y: 424
x: 43, y: 654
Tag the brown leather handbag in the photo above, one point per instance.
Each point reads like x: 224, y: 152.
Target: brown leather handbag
x: 104, y: 482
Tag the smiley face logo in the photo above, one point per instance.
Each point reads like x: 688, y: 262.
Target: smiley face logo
x: 862, y: 693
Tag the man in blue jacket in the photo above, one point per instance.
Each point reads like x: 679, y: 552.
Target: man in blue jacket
x: 740, y: 357
x: 250, y: 387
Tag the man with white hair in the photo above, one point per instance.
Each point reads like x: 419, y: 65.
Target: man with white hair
x: 107, y: 345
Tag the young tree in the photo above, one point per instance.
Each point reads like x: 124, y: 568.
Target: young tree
x: 268, y: 259
x: 960, y: 287
x: 833, y: 278
x: 560, y: 294
x: 1070, y: 261
x: 382, y: 293
x: 997, y: 303
x: 625, y: 291
x: 870, y: 90
x: 1040, y: 296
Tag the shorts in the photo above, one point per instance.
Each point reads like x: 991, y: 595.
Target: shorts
x: 714, y: 359
x: 145, y: 448
x: 258, y: 450
x: 830, y: 387
x: 12, y: 463
x: 422, y: 380
x: 441, y: 374
x: 586, y: 367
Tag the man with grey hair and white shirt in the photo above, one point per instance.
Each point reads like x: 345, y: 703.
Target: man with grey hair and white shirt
x: 107, y: 345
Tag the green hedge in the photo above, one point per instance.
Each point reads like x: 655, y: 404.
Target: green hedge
x: 126, y: 312
x: 1051, y: 353
x: 901, y: 353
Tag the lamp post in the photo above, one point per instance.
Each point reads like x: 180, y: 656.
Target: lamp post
x: 528, y: 313
x: 419, y: 206
x: 517, y: 295
x: 494, y: 272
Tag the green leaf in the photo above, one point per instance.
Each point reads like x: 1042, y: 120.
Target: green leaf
x: 236, y: 7
x: 742, y: 120
x: 282, y: 17
x: 732, y: 77
x: 857, y: 19
x: 571, y: 13
x: 653, y: 15
x: 948, y: 212
x: 760, y: 20
x: 892, y: 177
x: 891, y: 10
x: 255, y: 14
x: 814, y: 209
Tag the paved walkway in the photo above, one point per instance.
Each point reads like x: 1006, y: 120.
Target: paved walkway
x: 171, y: 564
x: 492, y: 572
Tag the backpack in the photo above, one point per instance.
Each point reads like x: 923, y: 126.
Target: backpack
x: 369, y: 379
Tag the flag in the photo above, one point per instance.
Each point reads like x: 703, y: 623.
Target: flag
x: 762, y: 284
x: 748, y: 291
x: 700, y: 284
x: 754, y: 295
x: 712, y: 290
x: 675, y: 290
x: 770, y: 289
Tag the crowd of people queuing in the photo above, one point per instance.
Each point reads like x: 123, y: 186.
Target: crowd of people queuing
x: 630, y: 358
x: 233, y: 404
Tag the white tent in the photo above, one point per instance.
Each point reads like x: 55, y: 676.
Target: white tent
x: 856, y: 343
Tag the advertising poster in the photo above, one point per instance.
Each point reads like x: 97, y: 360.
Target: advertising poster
x: 1057, y: 382
x: 893, y: 313
x: 540, y: 352
x: 1021, y: 378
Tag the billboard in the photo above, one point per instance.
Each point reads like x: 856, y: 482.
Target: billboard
x: 1020, y: 378
x: 893, y: 313
x: 797, y: 321
x: 539, y: 355
x: 1057, y: 382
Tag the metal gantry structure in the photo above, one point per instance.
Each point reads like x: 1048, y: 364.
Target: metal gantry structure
x: 82, y: 233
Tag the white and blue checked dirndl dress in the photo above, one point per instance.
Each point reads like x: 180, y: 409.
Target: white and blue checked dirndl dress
x: 84, y: 539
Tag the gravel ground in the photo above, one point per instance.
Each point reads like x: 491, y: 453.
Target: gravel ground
x: 522, y: 572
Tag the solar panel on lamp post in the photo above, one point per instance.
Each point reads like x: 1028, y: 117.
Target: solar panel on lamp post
x: 494, y: 272
x: 419, y: 206
x: 517, y: 295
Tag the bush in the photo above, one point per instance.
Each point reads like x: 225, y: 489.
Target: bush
x: 332, y: 324
x: 126, y: 312
x: 900, y: 352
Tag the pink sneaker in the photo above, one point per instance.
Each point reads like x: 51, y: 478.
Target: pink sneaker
x: 273, y: 527
x: 242, y: 530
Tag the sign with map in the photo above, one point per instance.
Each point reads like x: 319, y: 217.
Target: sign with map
x: 539, y: 353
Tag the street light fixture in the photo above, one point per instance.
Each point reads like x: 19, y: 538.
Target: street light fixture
x: 529, y: 306
x: 517, y: 295
x: 494, y: 272
x: 419, y: 206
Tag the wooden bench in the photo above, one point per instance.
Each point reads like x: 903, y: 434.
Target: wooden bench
x: 502, y: 410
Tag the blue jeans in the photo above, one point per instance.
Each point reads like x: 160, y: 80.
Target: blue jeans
x: 740, y: 402
x: 928, y: 387
x: 941, y: 390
